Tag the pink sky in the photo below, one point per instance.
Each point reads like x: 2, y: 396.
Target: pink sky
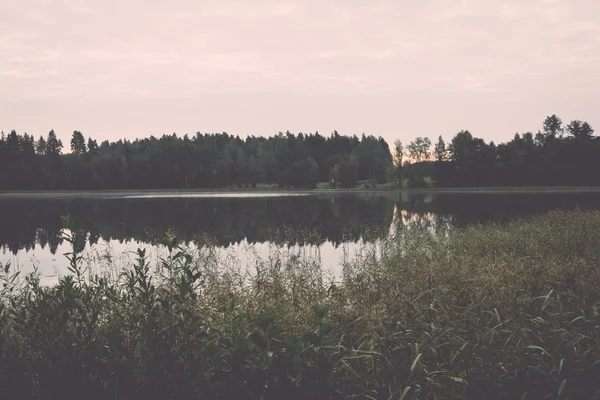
x: 399, y: 69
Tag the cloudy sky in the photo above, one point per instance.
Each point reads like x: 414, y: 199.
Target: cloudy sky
x: 399, y: 69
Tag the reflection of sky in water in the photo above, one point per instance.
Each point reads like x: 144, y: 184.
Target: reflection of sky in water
x: 230, y: 195
x: 404, y: 220
x: 112, y: 255
x: 343, y: 225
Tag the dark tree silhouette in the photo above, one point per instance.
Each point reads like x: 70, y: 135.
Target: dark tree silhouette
x: 201, y: 161
x: 78, y: 144
x: 288, y: 160
x: 92, y: 148
x: 53, y: 145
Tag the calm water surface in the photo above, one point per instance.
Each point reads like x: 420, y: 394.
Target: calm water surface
x: 324, y: 227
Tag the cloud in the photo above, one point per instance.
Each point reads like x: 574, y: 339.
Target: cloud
x: 138, y: 50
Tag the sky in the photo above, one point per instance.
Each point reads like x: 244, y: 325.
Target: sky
x: 398, y: 69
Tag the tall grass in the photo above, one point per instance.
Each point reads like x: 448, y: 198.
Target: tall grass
x: 498, y: 311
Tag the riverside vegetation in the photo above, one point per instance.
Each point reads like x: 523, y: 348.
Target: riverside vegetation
x: 492, y: 311
x: 557, y: 155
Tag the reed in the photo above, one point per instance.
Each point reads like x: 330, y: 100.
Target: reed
x: 497, y: 311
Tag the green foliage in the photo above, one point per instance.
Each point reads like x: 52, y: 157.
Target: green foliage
x: 398, y: 161
x: 202, y: 161
x: 40, y: 146
x: 440, y: 150
x: 580, y: 130
x: 493, y: 311
x: 549, y: 159
x: 92, y: 148
x: 78, y: 144
x: 300, y: 161
x: 53, y: 145
x: 552, y: 128
x: 419, y: 149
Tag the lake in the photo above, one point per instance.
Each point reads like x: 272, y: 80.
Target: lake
x: 327, y: 227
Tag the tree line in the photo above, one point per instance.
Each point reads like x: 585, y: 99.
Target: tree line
x: 555, y: 155
x: 217, y: 160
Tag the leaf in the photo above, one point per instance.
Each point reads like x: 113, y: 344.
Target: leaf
x: 497, y: 316
x: 14, y: 277
x: 562, y: 387
x: 414, y: 364
x: 546, y: 298
x: 459, y: 380
x: 539, y: 348
x: 574, y: 320
x: 454, y: 358
x: 560, y: 366
x: 404, y: 392
x: 320, y: 312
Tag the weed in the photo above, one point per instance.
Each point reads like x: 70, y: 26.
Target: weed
x: 495, y: 311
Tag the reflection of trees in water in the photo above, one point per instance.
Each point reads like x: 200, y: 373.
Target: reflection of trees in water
x: 304, y: 220
x: 464, y: 209
x: 423, y: 221
x: 286, y: 220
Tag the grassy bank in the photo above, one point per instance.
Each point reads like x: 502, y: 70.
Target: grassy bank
x: 509, y: 311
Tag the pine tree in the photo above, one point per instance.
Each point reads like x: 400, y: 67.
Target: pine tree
x: 41, y: 146
x: 53, y: 145
x: 92, y: 148
x: 78, y: 144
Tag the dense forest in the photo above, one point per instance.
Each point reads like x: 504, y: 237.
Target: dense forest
x: 201, y: 161
x: 555, y: 155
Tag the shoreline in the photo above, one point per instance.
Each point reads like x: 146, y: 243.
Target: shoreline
x: 136, y: 193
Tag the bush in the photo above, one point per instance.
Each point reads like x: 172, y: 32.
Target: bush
x: 492, y: 311
x: 417, y: 183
